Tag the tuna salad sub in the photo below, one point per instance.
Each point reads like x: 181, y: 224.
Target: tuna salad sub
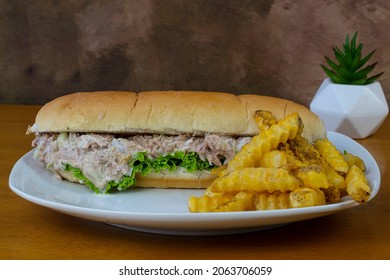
x: 166, y: 139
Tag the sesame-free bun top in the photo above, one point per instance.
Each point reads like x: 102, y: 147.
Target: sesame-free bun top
x: 167, y: 112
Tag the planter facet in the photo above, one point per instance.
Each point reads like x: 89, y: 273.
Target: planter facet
x: 353, y: 110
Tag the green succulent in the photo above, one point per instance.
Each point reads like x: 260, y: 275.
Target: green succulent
x: 349, y: 69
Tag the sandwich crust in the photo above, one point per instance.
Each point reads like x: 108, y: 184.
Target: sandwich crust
x: 167, y: 112
x: 100, y: 111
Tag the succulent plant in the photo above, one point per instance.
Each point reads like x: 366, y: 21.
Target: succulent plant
x: 349, y: 69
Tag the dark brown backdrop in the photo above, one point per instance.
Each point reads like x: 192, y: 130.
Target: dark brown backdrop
x: 49, y: 48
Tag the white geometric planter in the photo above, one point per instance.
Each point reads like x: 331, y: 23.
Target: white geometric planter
x: 353, y: 110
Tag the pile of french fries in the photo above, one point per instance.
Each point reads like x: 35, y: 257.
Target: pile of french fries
x: 280, y: 169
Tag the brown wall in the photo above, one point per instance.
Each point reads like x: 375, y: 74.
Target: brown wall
x: 49, y: 48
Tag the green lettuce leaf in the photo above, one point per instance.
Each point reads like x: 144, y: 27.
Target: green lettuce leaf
x: 80, y: 176
x: 142, y: 164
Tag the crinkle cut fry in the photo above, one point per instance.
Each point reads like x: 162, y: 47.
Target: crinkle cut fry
x: 352, y: 160
x: 264, y: 119
x: 250, y: 201
x: 334, y: 178
x: 305, y: 197
x: 280, y: 169
x: 256, y: 179
x: 312, y: 176
x: 266, y: 141
x: 331, y: 155
x: 274, y: 158
x: 305, y: 151
x: 241, y: 201
x: 357, y: 185
x: 332, y: 194
x: 206, y: 203
x: 308, y: 154
x: 273, y: 201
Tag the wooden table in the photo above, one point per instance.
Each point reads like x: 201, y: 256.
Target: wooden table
x: 29, y: 231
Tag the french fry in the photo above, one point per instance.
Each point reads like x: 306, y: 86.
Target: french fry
x: 280, y: 169
x: 218, y: 170
x: 264, y: 119
x: 241, y: 201
x: 312, y: 176
x: 256, y: 179
x: 332, y: 194
x: 357, y: 185
x: 267, y: 140
x: 334, y: 178
x: 305, y: 197
x: 352, y: 160
x: 331, y: 155
x: 293, y: 162
x: 274, y: 159
x: 206, y: 203
x: 305, y: 151
x: 273, y: 201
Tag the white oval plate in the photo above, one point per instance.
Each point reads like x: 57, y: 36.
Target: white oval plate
x: 165, y: 210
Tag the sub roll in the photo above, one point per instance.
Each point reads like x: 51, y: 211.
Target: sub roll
x: 115, y: 140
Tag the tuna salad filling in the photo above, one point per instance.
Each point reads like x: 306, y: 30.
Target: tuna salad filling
x: 107, y: 162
